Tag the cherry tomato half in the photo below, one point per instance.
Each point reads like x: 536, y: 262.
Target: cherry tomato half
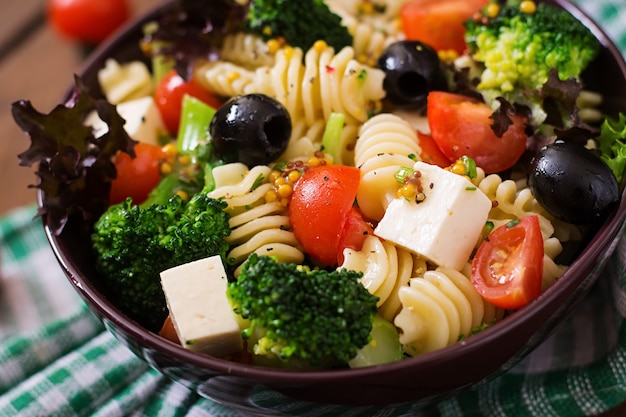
x: 508, y: 266
x: 353, y: 234
x: 322, y: 215
x: 461, y: 126
x: 89, y: 21
x: 439, y: 23
x: 137, y: 176
x: 430, y: 151
x: 169, y: 94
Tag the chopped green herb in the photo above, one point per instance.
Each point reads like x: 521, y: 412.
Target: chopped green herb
x: 512, y: 223
x: 470, y: 166
x: 403, y: 173
x: 257, y: 182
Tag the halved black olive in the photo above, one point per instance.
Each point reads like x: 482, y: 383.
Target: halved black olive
x: 572, y: 183
x: 253, y: 129
x: 412, y: 69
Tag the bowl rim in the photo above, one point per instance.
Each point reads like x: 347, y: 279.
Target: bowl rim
x: 606, y: 234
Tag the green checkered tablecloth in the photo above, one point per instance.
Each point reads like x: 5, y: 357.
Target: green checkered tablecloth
x: 56, y: 359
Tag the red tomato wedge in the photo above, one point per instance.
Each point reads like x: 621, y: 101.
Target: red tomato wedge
x: 508, y: 266
x: 461, y: 126
x: 168, y: 96
x: 137, y: 176
x: 354, y: 232
x: 439, y: 23
x: 321, y: 212
x: 168, y: 331
x: 430, y: 151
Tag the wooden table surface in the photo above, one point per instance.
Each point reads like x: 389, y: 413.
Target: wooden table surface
x: 36, y: 64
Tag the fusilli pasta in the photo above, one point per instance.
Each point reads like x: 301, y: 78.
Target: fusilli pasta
x: 437, y: 309
x: 257, y: 226
x: 247, y: 50
x: 386, y: 142
x: 372, y: 30
x: 511, y: 203
x: 310, y: 88
x: 385, y: 269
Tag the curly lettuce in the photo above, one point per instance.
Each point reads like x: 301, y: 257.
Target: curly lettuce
x: 612, y: 144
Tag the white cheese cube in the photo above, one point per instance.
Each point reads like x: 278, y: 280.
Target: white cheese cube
x: 143, y: 120
x: 443, y: 228
x: 199, y: 307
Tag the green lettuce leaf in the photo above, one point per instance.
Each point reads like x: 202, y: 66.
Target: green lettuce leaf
x: 612, y: 144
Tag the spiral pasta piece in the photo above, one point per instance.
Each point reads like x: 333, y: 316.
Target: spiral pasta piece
x: 326, y: 82
x: 385, y: 144
x: 225, y: 78
x: 511, y: 204
x: 124, y: 82
x: 256, y: 226
x: 311, y: 87
x: 347, y: 144
x: 373, y: 25
x: 283, y: 80
x: 247, y: 50
x: 437, y: 309
x: 304, y: 141
x: 378, y: 261
x: 385, y: 269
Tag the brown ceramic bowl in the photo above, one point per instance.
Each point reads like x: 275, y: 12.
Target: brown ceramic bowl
x: 422, y: 380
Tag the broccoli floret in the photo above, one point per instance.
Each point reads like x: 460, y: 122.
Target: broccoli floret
x: 519, y: 47
x: 307, y: 316
x: 134, y: 244
x: 301, y: 23
x: 189, y: 174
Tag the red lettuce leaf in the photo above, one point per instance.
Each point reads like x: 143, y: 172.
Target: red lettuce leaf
x: 190, y: 31
x: 75, y: 168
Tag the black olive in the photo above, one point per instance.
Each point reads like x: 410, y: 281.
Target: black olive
x: 253, y: 129
x: 572, y: 183
x: 412, y: 69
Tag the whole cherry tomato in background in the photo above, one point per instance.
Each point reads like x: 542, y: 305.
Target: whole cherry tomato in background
x: 87, y: 21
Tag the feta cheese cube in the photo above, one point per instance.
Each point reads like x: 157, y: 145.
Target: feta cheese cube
x: 199, y: 307
x: 143, y: 120
x: 443, y: 228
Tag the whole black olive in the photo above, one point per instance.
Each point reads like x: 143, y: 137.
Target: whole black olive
x: 572, y: 183
x: 412, y: 69
x: 253, y: 129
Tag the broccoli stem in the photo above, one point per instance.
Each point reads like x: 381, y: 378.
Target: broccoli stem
x: 331, y: 139
x: 196, y: 176
x: 194, y: 128
x: 163, y: 191
x: 194, y: 123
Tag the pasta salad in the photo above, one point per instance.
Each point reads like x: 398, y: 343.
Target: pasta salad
x: 418, y: 163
